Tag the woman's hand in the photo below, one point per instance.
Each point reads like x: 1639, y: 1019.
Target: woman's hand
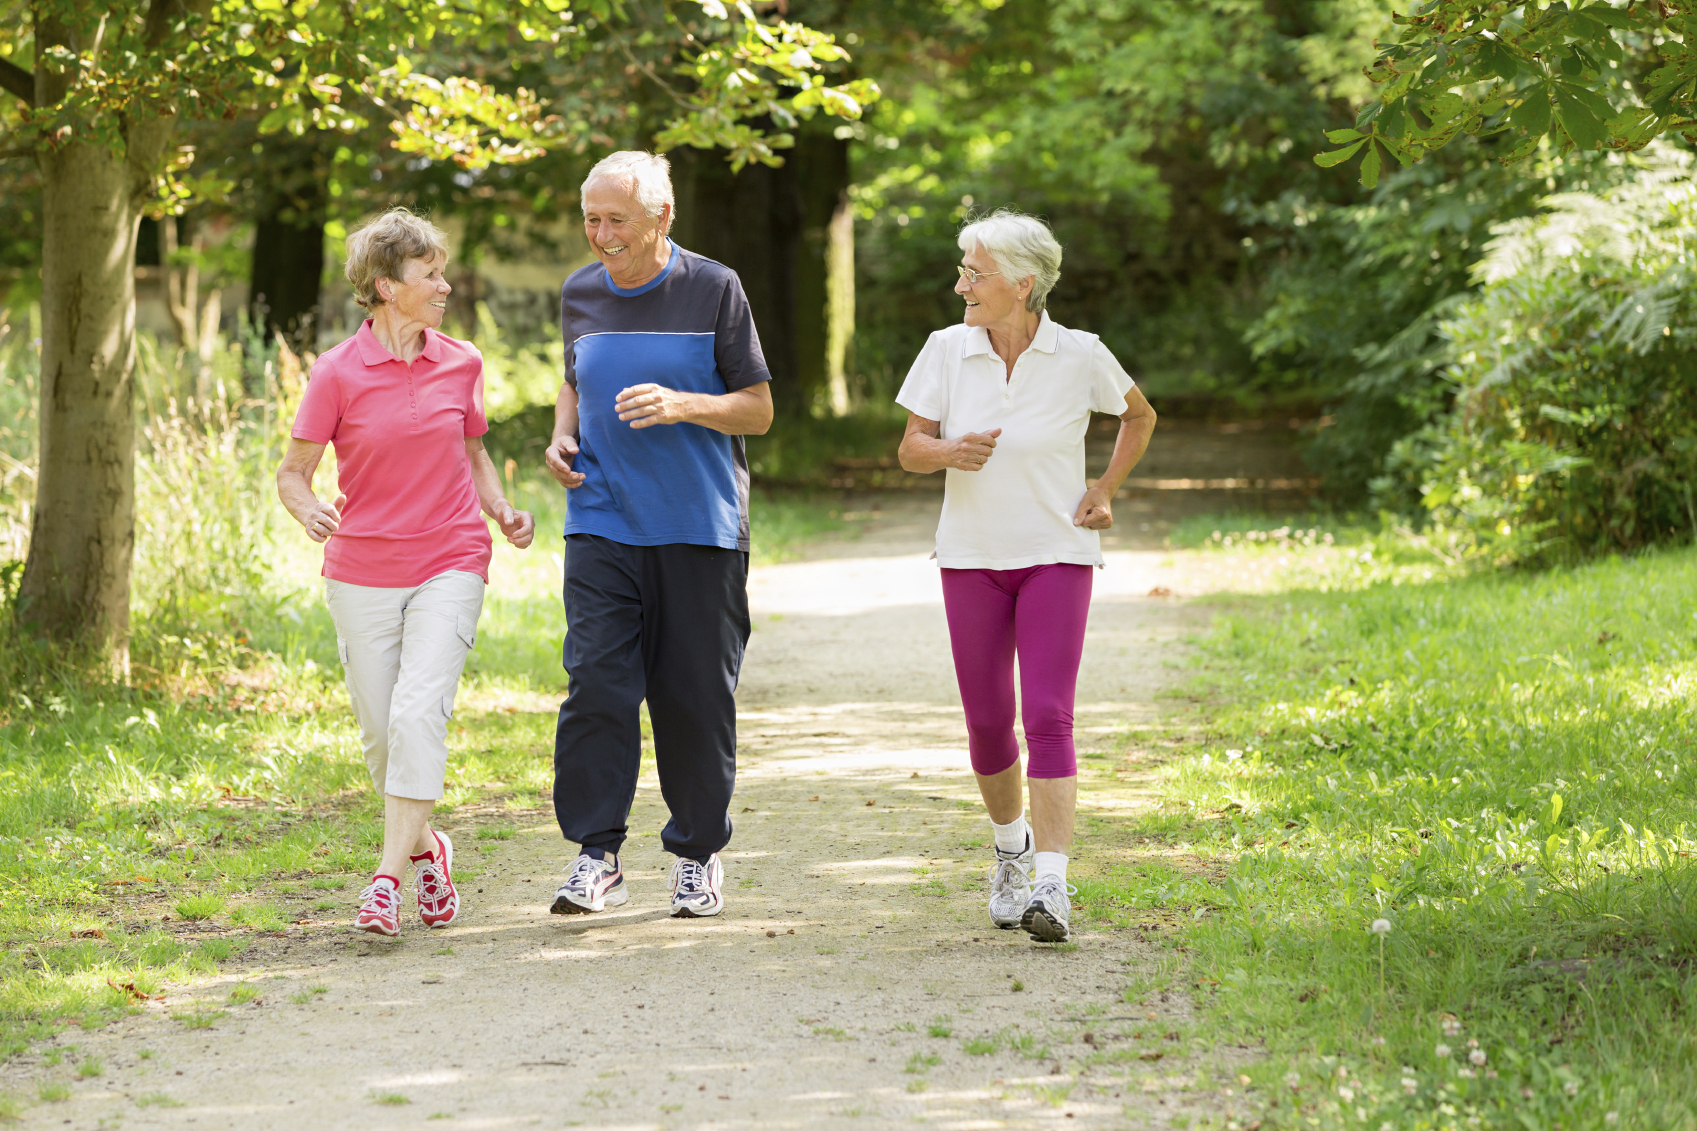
x: 1095, y: 510
x: 519, y: 526
x: 971, y: 451
x: 323, y: 519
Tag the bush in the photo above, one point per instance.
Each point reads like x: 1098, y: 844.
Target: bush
x: 1574, y: 429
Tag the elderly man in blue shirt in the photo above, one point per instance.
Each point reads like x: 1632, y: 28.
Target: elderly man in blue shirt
x: 663, y: 379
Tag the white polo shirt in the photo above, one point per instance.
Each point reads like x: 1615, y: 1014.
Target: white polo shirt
x: 1016, y: 510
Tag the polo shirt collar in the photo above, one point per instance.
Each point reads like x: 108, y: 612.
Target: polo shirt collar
x: 371, y: 351
x: 1047, y: 339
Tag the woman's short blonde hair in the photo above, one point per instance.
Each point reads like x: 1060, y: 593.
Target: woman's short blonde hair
x: 380, y: 250
x: 1022, y: 246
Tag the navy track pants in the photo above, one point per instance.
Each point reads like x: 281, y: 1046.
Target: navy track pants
x: 668, y: 624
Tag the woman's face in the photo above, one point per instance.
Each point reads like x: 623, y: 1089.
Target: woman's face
x: 421, y: 295
x: 992, y: 300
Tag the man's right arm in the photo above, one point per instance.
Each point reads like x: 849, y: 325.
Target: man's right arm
x: 562, y: 448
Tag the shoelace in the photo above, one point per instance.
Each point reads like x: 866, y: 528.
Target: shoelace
x: 432, y: 881
x: 583, y: 871
x: 1054, y: 889
x: 691, y: 878
x: 381, y: 894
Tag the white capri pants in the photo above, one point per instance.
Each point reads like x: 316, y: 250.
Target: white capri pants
x: 402, y: 651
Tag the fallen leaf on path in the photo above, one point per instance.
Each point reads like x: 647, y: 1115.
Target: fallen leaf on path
x: 1160, y: 591
x: 771, y: 934
x: 1150, y: 1055
x: 91, y: 933
x: 815, y: 797
x: 129, y: 991
x: 872, y: 803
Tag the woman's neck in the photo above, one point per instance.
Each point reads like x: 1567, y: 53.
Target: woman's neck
x: 403, y: 337
x: 1014, y: 336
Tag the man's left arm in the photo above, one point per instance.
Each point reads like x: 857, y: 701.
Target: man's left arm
x: 741, y: 412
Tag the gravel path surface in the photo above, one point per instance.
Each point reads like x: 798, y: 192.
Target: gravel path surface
x: 853, y: 979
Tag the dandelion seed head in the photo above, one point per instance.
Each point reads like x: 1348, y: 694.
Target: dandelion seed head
x: 1346, y: 1094
x: 1612, y: 1118
x: 1477, y: 1056
x: 1571, y: 1088
x: 1441, y: 1051
x: 1381, y: 927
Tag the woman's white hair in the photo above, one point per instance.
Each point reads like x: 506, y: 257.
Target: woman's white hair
x: 1022, y: 246
x: 648, y: 175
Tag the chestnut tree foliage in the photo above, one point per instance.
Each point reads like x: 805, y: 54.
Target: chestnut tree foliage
x: 94, y: 93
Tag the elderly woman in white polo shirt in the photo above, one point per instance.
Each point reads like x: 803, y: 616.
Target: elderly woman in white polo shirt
x: 1001, y: 403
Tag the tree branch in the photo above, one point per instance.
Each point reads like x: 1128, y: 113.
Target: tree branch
x: 15, y: 80
x: 17, y: 151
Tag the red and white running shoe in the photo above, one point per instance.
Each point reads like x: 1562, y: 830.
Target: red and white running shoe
x: 438, y: 901
x: 380, y: 908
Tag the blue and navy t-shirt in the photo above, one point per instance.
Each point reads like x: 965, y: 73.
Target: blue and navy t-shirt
x: 690, y: 329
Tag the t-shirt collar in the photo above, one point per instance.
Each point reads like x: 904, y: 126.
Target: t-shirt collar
x: 632, y: 292
x: 371, y: 350
x: 1047, y: 338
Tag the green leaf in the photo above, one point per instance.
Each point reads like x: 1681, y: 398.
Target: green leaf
x: 1498, y: 60
x: 1555, y: 807
x: 1533, y: 115
x: 1584, y: 127
x: 1367, y: 114
x: 1602, y: 13
x: 1338, y: 156
x: 1338, y: 137
x: 1370, y: 167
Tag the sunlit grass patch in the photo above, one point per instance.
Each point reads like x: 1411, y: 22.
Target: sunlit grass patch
x: 198, y: 907
x: 1495, y: 769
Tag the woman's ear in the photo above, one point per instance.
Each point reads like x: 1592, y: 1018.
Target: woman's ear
x: 384, y: 292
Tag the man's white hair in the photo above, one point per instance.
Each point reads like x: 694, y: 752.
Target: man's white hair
x: 647, y: 175
x: 1022, y: 246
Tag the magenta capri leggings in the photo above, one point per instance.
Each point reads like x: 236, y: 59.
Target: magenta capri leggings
x: 1038, y: 612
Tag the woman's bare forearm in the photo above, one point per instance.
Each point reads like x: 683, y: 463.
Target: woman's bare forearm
x: 1137, y: 425
x: 484, y: 477
x: 923, y: 454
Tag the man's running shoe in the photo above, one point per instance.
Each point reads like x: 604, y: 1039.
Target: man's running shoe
x: 1046, y: 915
x: 1010, y: 886
x: 438, y: 902
x: 695, y: 888
x: 380, y: 908
x: 591, y: 885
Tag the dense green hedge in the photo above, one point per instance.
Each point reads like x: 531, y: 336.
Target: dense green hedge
x: 1574, y: 429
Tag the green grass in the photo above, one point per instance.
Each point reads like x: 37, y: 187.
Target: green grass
x: 91, y: 1067
x: 53, y: 1091
x: 242, y: 993
x: 197, y: 907
x: 1500, y: 767
x: 393, y: 1099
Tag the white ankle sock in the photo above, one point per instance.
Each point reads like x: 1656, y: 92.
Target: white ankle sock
x: 1010, y: 838
x: 1052, y: 866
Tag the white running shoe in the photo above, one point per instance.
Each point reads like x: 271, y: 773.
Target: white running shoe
x: 1010, y: 886
x: 591, y: 885
x: 695, y: 888
x: 1049, y: 910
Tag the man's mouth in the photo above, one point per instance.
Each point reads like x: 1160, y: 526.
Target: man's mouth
x: 614, y: 250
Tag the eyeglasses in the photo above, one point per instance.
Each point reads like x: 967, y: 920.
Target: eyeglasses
x: 972, y: 276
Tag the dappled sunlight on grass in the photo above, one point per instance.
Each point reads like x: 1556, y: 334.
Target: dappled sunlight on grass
x: 1500, y: 767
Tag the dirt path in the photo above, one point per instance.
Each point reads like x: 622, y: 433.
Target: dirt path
x: 852, y: 980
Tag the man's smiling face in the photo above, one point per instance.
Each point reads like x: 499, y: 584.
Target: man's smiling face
x: 623, y: 236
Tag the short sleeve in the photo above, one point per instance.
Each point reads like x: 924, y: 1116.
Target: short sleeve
x: 922, y: 393
x: 570, y: 374
x: 320, y: 411
x: 1108, y: 382
x: 476, y: 423
x: 736, y: 343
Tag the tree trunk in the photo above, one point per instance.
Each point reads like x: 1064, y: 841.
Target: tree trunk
x: 76, y: 582
x: 773, y: 227
x: 288, y: 246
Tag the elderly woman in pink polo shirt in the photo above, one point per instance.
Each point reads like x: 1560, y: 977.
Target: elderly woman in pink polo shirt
x: 406, y: 553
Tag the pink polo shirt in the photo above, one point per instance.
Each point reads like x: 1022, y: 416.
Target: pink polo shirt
x: 400, y: 433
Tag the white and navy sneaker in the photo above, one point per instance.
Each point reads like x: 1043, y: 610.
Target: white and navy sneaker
x: 591, y: 885
x: 1046, y: 915
x: 1010, y: 886
x: 695, y: 888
